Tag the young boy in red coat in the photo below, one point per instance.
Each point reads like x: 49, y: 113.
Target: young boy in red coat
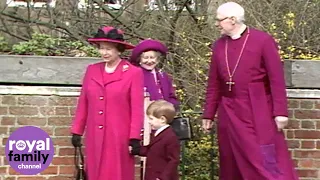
x: 163, y: 151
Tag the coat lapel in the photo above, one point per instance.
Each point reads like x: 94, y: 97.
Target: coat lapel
x: 163, y: 83
x: 160, y: 136
x: 98, y: 73
x: 116, y: 76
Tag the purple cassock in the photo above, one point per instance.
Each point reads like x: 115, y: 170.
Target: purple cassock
x: 250, y: 146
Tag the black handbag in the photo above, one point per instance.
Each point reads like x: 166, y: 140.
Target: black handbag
x: 182, y: 128
x: 79, y: 163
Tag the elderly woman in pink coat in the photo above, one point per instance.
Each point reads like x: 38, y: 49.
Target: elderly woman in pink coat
x: 148, y: 54
x: 110, y: 110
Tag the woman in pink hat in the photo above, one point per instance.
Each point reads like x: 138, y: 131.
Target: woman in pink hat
x: 147, y: 54
x: 110, y: 108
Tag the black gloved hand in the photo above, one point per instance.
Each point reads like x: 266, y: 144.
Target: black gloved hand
x: 76, y: 140
x: 135, y: 144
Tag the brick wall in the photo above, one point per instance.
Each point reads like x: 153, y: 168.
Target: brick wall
x: 303, y: 136
x: 53, y: 114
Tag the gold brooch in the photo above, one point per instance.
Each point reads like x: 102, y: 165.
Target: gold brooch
x: 125, y: 67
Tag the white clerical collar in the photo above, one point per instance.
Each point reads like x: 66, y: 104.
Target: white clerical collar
x: 238, y: 34
x: 161, y: 129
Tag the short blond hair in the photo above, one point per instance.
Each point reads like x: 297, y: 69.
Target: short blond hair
x: 160, y: 108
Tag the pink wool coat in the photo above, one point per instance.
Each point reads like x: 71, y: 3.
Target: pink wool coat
x: 112, y: 112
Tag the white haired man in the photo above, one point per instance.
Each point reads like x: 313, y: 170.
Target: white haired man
x: 246, y: 81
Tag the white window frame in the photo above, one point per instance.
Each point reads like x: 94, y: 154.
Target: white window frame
x: 12, y: 3
x: 152, y: 5
x: 83, y: 4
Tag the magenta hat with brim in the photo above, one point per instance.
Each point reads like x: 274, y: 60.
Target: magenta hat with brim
x: 147, y: 45
x: 110, y: 34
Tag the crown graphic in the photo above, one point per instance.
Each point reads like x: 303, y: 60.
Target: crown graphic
x: 20, y: 145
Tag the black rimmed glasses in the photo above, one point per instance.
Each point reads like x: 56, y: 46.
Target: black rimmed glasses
x: 220, y: 20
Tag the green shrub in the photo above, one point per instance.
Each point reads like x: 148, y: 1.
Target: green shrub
x: 4, y: 45
x: 45, y: 45
x: 199, y: 155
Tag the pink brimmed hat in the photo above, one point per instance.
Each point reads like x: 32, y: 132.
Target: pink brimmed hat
x: 110, y: 34
x: 147, y: 45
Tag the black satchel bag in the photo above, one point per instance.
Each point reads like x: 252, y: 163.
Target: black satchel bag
x: 182, y: 128
x: 79, y: 163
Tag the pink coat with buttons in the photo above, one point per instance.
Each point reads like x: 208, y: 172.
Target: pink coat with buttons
x: 112, y: 112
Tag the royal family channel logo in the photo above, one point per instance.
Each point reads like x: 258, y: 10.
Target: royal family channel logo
x: 29, y: 150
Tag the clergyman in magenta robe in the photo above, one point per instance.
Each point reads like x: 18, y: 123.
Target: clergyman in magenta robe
x: 251, y: 105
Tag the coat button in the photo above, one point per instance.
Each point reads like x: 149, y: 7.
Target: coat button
x: 100, y: 112
x: 101, y: 97
x: 100, y: 127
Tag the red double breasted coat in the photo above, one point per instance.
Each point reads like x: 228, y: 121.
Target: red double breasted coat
x: 111, y: 111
